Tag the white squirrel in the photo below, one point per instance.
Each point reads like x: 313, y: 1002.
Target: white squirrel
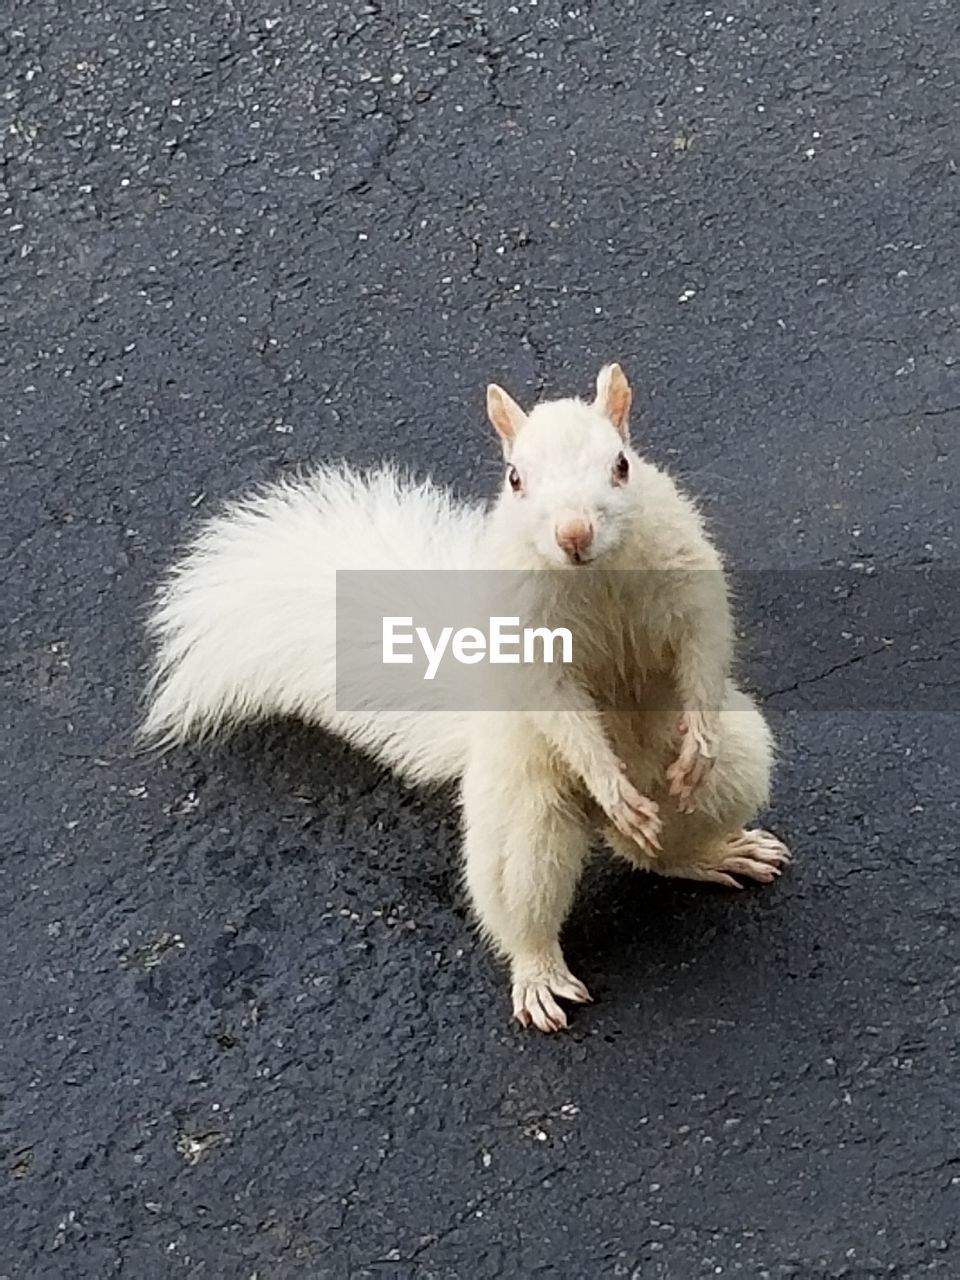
x: 245, y: 627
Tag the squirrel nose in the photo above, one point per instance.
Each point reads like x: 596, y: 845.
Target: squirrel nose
x: 574, y: 535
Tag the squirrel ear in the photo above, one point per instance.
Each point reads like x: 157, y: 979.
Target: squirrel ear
x: 614, y: 396
x: 505, y: 414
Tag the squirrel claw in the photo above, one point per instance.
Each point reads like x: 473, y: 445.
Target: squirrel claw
x: 635, y: 816
x: 756, y: 854
x: 534, y: 995
x: 688, y: 771
x: 745, y: 855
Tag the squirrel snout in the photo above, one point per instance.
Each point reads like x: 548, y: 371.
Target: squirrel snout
x: 574, y: 535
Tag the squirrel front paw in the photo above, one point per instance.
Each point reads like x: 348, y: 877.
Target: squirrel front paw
x: 634, y: 815
x: 698, y: 751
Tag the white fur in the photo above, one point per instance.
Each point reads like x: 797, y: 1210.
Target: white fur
x: 245, y: 624
x: 245, y: 627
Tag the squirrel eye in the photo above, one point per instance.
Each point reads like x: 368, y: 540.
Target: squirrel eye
x: 513, y: 475
x: 621, y: 468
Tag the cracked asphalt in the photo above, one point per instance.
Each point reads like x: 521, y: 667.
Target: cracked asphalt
x: 247, y: 1028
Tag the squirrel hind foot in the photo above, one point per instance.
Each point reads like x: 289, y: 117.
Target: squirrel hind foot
x: 536, y: 989
x: 750, y: 854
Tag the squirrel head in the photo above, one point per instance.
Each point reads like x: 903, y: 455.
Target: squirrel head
x: 567, y: 487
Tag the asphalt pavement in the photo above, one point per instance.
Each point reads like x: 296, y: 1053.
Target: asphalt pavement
x: 247, y: 1028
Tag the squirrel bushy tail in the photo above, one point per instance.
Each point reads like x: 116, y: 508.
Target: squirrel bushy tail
x: 245, y: 623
